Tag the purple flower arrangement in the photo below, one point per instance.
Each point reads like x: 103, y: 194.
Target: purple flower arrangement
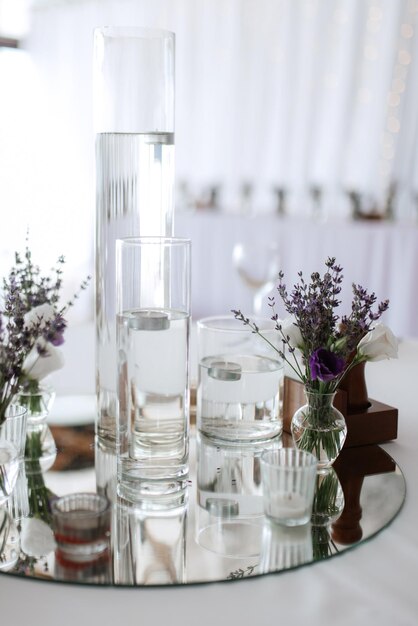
x: 319, y: 345
x: 32, y: 325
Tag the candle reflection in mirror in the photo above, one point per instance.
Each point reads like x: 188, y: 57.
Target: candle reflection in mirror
x: 285, y: 547
x: 98, y: 571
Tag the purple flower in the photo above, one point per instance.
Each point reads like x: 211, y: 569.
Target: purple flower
x: 54, y: 333
x: 325, y: 365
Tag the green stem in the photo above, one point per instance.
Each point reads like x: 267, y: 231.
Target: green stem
x: 37, y: 491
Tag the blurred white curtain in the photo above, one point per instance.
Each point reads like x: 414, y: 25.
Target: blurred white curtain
x: 289, y: 93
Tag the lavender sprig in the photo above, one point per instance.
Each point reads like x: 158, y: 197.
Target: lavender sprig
x: 313, y: 305
x: 328, y: 342
x: 285, y: 341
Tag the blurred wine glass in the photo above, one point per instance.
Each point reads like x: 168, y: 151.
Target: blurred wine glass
x: 258, y: 266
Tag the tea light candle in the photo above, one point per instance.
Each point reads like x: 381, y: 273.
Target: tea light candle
x: 225, y: 370
x: 288, y: 477
x: 149, y: 320
x: 287, y: 505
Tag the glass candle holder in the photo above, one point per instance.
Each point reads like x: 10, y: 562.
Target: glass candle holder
x: 81, y: 525
x: 288, y: 478
x: 240, y: 380
x: 153, y: 325
x: 12, y: 448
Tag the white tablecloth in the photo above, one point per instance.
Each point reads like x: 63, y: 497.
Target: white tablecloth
x: 382, y: 257
x: 373, y: 584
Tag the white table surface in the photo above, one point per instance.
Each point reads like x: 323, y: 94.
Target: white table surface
x: 374, y: 583
x: 381, y: 256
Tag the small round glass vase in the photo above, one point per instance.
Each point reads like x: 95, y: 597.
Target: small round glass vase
x: 40, y: 451
x: 318, y: 427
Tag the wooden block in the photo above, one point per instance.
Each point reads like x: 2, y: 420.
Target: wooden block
x: 377, y: 424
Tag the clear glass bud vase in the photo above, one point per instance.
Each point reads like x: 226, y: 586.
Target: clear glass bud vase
x: 329, y: 500
x: 319, y: 428
x: 40, y: 449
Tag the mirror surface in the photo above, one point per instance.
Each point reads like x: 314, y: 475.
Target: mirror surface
x: 218, y: 533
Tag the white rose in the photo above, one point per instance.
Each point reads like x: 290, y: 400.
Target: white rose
x: 39, y: 315
x: 291, y: 331
x: 37, y: 366
x: 36, y: 537
x: 379, y: 343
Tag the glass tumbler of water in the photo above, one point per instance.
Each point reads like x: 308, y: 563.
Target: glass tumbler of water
x: 240, y: 380
x: 153, y: 320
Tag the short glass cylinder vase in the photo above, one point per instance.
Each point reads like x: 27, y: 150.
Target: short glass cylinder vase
x: 240, y: 380
x: 318, y: 427
x: 40, y: 449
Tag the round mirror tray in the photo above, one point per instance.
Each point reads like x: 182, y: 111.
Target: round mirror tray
x: 217, y: 532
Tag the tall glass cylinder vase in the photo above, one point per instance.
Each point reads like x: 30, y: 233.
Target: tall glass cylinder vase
x: 134, y: 125
x: 153, y: 325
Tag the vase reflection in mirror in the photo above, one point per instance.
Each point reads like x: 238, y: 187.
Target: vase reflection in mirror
x: 134, y: 125
x: 18, y: 502
x: 149, y: 547
x: 12, y: 448
x: 329, y: 500
x: 12, y: 451
x: 9, y: 541
x: 229, y: 512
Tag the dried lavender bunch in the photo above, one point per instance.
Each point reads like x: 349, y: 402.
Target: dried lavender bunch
x: 37, y: 289
x: 329, y: 345
x: 17, y: 341
x: 32, y: 325
x: 313, y: 305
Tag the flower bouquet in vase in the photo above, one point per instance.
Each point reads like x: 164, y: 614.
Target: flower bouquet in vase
x: 321, y: 347
x: 41, y: 319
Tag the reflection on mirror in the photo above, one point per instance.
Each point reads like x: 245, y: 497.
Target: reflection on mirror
x: 220, y: 533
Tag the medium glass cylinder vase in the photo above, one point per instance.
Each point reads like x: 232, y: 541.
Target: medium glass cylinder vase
x: 134, y: 125
x: 153, y: 325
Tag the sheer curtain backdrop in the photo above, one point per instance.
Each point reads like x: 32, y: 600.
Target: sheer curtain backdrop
x: 294, y: 94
